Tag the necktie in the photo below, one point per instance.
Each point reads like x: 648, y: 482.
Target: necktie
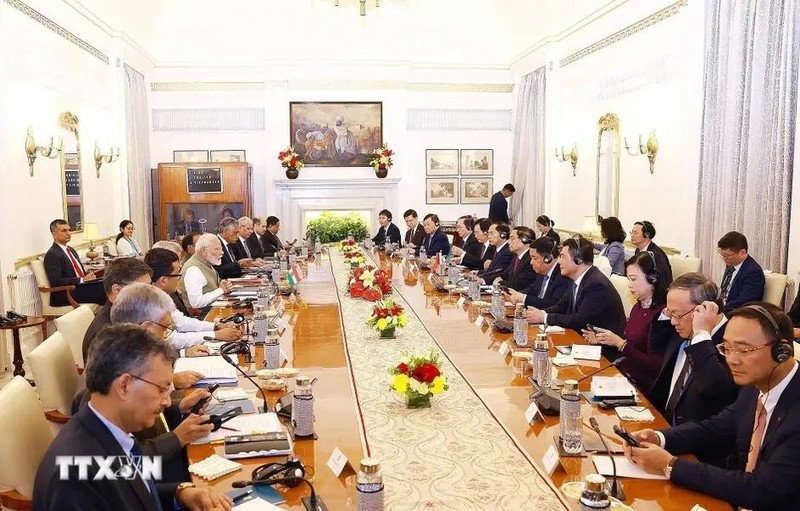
x: 188, y: 228
x: 151, y: 487
x: 483, y: 252
x: 573, y: 297
x: 544, y: 286
x: 228, y: 250
x: 514, y: 266
x: 758, y: 433
x: 726, y: 282
x: 246, y: 249
x: 680, y: 384
x: 75, y: 264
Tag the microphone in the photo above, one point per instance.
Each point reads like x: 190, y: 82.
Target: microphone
x: 234, y: 364
x: 612, y: 364
x: 616, y: 486
x: 237, y: 318
x: 311, y: 503
x: 214, y: 339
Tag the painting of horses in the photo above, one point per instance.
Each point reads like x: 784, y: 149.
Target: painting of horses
x: 336, y: 134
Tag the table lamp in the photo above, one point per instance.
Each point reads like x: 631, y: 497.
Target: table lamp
x: 590, y: 225
x: 90, y: 234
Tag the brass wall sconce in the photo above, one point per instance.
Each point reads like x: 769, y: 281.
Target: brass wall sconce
x: 571, y: 157
x: 100, y: 158
x: 51, y: 151
x: 650, y: 149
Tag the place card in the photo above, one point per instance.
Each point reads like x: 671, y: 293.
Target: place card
x: 337, y: 461
x: 550, y: 460
x: 586, y: 352
x: 532, y: 412
x: 503, y: 349
x: 479, y: 320
x: 280, y: 324
x: 461, y: 301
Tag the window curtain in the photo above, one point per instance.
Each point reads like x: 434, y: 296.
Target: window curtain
x: 528, y: 167
x: 747, y: 140
x: 140, y: 201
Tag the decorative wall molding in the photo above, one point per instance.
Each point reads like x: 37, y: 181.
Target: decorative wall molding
x: 58, y: 29
x: 502, y: 88
x: 202, y: 120
x: 440, y: 119
x: 207, y: 86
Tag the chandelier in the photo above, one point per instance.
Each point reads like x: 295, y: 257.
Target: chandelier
x: 362, y: 5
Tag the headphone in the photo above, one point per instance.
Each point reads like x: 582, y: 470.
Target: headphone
x: 291, y: 468
x: 782, y: 350
x: 551, y: 254
x: 574, y: 247
x: 523, y: 238
x: 652, y: 278
x: 647, y: 229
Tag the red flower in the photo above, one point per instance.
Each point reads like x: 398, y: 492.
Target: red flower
x: 403, y: 368
x: 425, y: 373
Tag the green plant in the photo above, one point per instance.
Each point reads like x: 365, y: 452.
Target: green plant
x: 331, y: 228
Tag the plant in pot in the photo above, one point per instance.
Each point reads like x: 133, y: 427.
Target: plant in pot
x: 334, y: 228
x: 291, y: 161
x: 382, y: 161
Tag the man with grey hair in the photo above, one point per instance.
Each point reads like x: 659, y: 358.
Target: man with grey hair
x: 248, y: 240
x: 172, y: 246
x: 200, y: 282
x: 232, y: 260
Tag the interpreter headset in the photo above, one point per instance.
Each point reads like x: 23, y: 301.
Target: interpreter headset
x: 291, y: 468
x: 552, y: 252
x: 651, y: 277
x: 782, y: 349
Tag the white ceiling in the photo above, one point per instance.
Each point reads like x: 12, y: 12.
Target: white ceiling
x: 448, y: 32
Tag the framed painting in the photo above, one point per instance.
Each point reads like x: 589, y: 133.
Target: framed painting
x: 194, y: 156
x: 476, y: 190
x: 441, y: 162
x: 441, y: 190
x: 336, y: 134
x: 228, y: 155
x: 477, y: 162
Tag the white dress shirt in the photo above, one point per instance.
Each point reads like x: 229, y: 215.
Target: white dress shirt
x: 681, y: 360
x: 188, y: 331
x: 575, y: 289
x: 127, y: 248
x: 195, y: 281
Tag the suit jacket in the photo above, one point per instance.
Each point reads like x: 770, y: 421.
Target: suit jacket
x: 747, y: 285
x: 556, y: 287
x: 663, y: 268
x: 597, y: 302
x: 393, y: 232
x: 498, y: 208
x: 180, y: 227
x: 553, y: 235
x: 101, y: 319
x: 501, y: 260
x: 419, y: 235
x: 85, y: 435
x: 472, y: 253
x: 256, y: 249
x: 436, y: 243
x: 272, y: 244
x: 229, y: 268
x: 772, y: 486
x: 61, y: 273
x: 522, y: 276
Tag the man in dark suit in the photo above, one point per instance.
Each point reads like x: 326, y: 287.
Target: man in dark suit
x: 498, y: 235
x: 591, y: 300
x: 519, y: 274
x: 387, y: 229
x: 435, y: 241
x: 498, y: 205
x: 480, y: 233
x: 64, y: 268
x: 761, y: 430
x: 128, y: 375
x: 272, y: 244
x: 233, y: 259
x: 248, y: 244
x: 694, y: 382
x: 415, y: 233
x: 550, y: 285
x: 642, y: 236
x: 470, y: 248
x: 743, y: 280
x: 187, y: 224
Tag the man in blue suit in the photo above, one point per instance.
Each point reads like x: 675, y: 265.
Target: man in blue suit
x: 435, y: 241
x: 549, y: 285
x: 743, y: 280
x: 503, y: 257
x: 760, y: 430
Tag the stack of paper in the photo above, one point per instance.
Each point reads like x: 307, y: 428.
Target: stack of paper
x: 230, y: 394
x: 612, y: 386
x: 249, y: 424
x: 213, y: 467
x: 214, y: 369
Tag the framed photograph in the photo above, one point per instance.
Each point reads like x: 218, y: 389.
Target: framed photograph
x: 336, y: 134
x: 441, y: 162
x: 441, y: 190
x: 194, y: 156
x: 476, y: 190
x: 477, y: 162
x: 228, y: 155
x: 204, y: 180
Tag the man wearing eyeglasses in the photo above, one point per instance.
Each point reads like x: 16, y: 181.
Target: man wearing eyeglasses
x: 761, y: 430
x: 743, y: 280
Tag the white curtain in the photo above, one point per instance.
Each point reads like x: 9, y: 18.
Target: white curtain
x: 138, y: 154
x: 750, y: 95
x: 528, y: 168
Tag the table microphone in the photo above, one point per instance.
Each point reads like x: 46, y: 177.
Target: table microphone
x: 311, y: 503
x: 214, y: 339
x: 612, y: 364
x: 234, y: 364
x: 616, y: 486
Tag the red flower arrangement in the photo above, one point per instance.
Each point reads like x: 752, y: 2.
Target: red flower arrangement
x: 417, y: 378
x: 369, y: 283
x: 290, y: 159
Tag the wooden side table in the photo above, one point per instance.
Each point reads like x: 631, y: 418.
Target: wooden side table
x: 31, y: 322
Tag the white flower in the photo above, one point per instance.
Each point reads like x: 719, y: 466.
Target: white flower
x: 418, y: 387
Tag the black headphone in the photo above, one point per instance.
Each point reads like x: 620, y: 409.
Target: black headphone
x: 292, y: 467
x: 574, y: 247
x: 652, y: 278
x: 523, y: 238
x: 782, y: 350
x: 647, y: 230
x: 551, y: 254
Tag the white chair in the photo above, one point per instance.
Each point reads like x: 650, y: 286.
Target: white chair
x: 621, y: 285
x: 73, y: 327
x: 603, y: 264
x: 796, y: 350
x: 56, y: 377
x: 49, y: 311
x: 25, y: 438
x: 682, y: 265
x: 775, y: 288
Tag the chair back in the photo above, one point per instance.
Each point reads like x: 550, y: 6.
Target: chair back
x: 25, y: 438
x: 603, y: 264
x: 73, y: 326
x: 42, y: 282
x: 775, y: 288
x: 621, y: 285
x: 682, y: 265
x: 54, y: 371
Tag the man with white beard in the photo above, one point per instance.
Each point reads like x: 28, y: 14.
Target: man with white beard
x: 200, y: 282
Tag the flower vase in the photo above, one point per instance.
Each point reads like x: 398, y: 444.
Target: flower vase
x: 381, y: 172
x: 415, y: 400
x: 292, y: 173
x: 387, y: 333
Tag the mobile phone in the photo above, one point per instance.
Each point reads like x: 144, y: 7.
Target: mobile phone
x: 564, y: 350
x: 200, y: 404
x: 623, y: 433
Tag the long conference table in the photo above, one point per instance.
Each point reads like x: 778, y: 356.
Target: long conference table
x: 473, y: 449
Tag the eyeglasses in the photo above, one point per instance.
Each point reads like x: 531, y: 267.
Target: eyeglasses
x: 726, y: 350
x: 164, y: 390
x: 725, y: 256
x: 668, y: 313
x: 168, y: 329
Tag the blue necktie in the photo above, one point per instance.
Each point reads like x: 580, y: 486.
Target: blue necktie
x: 574, y: 297
x: 151, y: 487
x: 544, y: 286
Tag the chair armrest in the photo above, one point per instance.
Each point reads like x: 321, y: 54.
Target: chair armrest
x: 67, y: 289
x: 14, y: 500
x: 56, y: 416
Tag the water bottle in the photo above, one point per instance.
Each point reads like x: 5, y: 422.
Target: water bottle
x: 441, y: 270
x: 520, y: 326
x: 276, y: 275
x: 303, y: 407
x: 317, y: 245
x: 263, y: 296
x: 260, y: 328
x: 453, y: 274
x: 387, y: 245
x: 595, y: 493
x: 423, y: 255
x: 541, y: 360
x: 106, y: 251
x: 369, y: 487
x: 570, y: 421
x: 292, y: 259
x: 272, y: 348
x: 284, y: 263
x: 474, y: 288
x: 304, y: 250
x: 498, y: 309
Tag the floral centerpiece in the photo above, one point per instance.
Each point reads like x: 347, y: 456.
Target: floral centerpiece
x: 354, y: 258
x: 382, y: 160
x: 291, y: 161
x: 369, y: 283
x: 386, y: 317
x: 417, y: 378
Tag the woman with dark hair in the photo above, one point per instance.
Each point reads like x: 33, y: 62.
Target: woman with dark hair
x: 644, y: 339
x: 228, y: 213
x: 126, y: 245
x: 545, y: 226
x: 613, y: 234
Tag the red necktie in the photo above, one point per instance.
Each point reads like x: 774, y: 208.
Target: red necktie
x: 75, y: 265
x: 514, y: 266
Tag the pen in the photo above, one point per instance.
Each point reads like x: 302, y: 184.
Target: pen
x: 229, y: 429
x: 242, y: 495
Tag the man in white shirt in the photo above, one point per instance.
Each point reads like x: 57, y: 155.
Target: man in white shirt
x: 200, y: 283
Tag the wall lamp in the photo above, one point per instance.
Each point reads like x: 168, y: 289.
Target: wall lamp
x: 32, y: 150
x: 100, y: 158
x: 571, y: 157
x: 650, y: 149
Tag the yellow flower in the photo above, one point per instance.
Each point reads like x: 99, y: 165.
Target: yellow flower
x: 401, y: 320
x: 438, y: 385
x: 383, y: 323
x: 400, y: 383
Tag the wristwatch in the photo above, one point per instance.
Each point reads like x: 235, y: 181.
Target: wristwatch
x: 181, y: 487
x: 668, y: 468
